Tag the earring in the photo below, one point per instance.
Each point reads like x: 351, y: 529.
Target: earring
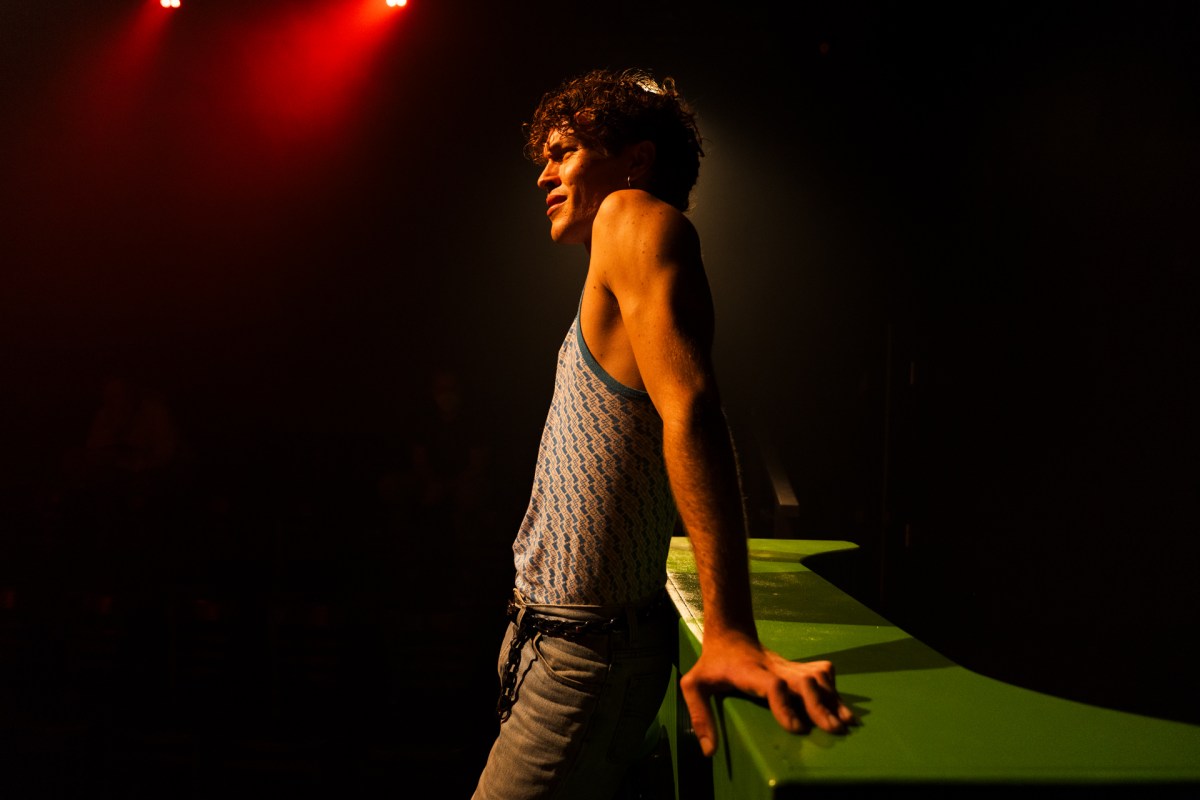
x: 629, y: 181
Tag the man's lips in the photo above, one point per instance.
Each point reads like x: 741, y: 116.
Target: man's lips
x: 553, y: 202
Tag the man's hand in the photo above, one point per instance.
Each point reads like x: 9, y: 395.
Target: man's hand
x: 753, y: 670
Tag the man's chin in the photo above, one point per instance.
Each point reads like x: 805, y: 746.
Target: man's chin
x: 562, y: 236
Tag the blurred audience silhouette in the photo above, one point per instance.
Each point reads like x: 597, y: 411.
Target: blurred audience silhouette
x: 440, y: 493
x: 125, y: 482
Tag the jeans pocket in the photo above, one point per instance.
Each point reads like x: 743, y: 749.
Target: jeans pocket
x: 579, y: 663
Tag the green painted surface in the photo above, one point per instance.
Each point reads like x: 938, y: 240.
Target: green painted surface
x: 924, y: 718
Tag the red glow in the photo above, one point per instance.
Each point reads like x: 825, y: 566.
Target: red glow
x: 169, y: 3
x: 305, y: 69
x: 227, y: 120
x: 281, y: 98
x: 84, y: 129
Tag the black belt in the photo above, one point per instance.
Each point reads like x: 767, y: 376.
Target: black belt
x: 535, y: 622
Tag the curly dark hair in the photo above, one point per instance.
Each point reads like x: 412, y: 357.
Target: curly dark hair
x: 607, y: 110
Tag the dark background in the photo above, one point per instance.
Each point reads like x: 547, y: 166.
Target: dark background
x: 954, y: 258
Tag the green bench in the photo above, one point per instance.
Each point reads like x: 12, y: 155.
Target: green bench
x: 929, y: 726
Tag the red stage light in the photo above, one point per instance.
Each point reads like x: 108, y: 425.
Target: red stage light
x: 169, y: 3
x: 397, y: 3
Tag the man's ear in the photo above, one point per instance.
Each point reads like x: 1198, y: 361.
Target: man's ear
x: 641, y: 163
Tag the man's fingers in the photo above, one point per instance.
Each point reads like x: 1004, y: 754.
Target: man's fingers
x: 779, y: 699
x: 823, y: 705
x: 701, y: 714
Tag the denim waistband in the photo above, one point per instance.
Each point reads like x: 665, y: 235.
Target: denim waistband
x: 585, y: 618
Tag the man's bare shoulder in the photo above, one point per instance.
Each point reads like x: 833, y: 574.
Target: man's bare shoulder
x: 632, y: 221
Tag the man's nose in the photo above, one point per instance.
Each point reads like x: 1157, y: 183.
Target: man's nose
x: 549, y: 177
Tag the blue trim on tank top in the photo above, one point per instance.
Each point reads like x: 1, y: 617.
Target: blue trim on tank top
x: 594, y: 365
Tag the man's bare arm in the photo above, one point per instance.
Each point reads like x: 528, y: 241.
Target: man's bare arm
x: 648, y: 256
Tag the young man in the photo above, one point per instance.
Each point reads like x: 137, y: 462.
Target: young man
x: 635, y: 439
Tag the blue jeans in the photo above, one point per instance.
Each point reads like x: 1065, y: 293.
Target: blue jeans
x: 583, y: 708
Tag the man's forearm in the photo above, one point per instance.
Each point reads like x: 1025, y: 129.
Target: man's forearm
x: 702, y: 466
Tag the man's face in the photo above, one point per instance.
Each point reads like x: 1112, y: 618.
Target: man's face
x: 576, y: 179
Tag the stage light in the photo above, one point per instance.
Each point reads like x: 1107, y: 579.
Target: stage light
x: 397, y: 3
x: 169, y: 3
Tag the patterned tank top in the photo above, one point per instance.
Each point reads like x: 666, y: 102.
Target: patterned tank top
x: 601, y: 515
